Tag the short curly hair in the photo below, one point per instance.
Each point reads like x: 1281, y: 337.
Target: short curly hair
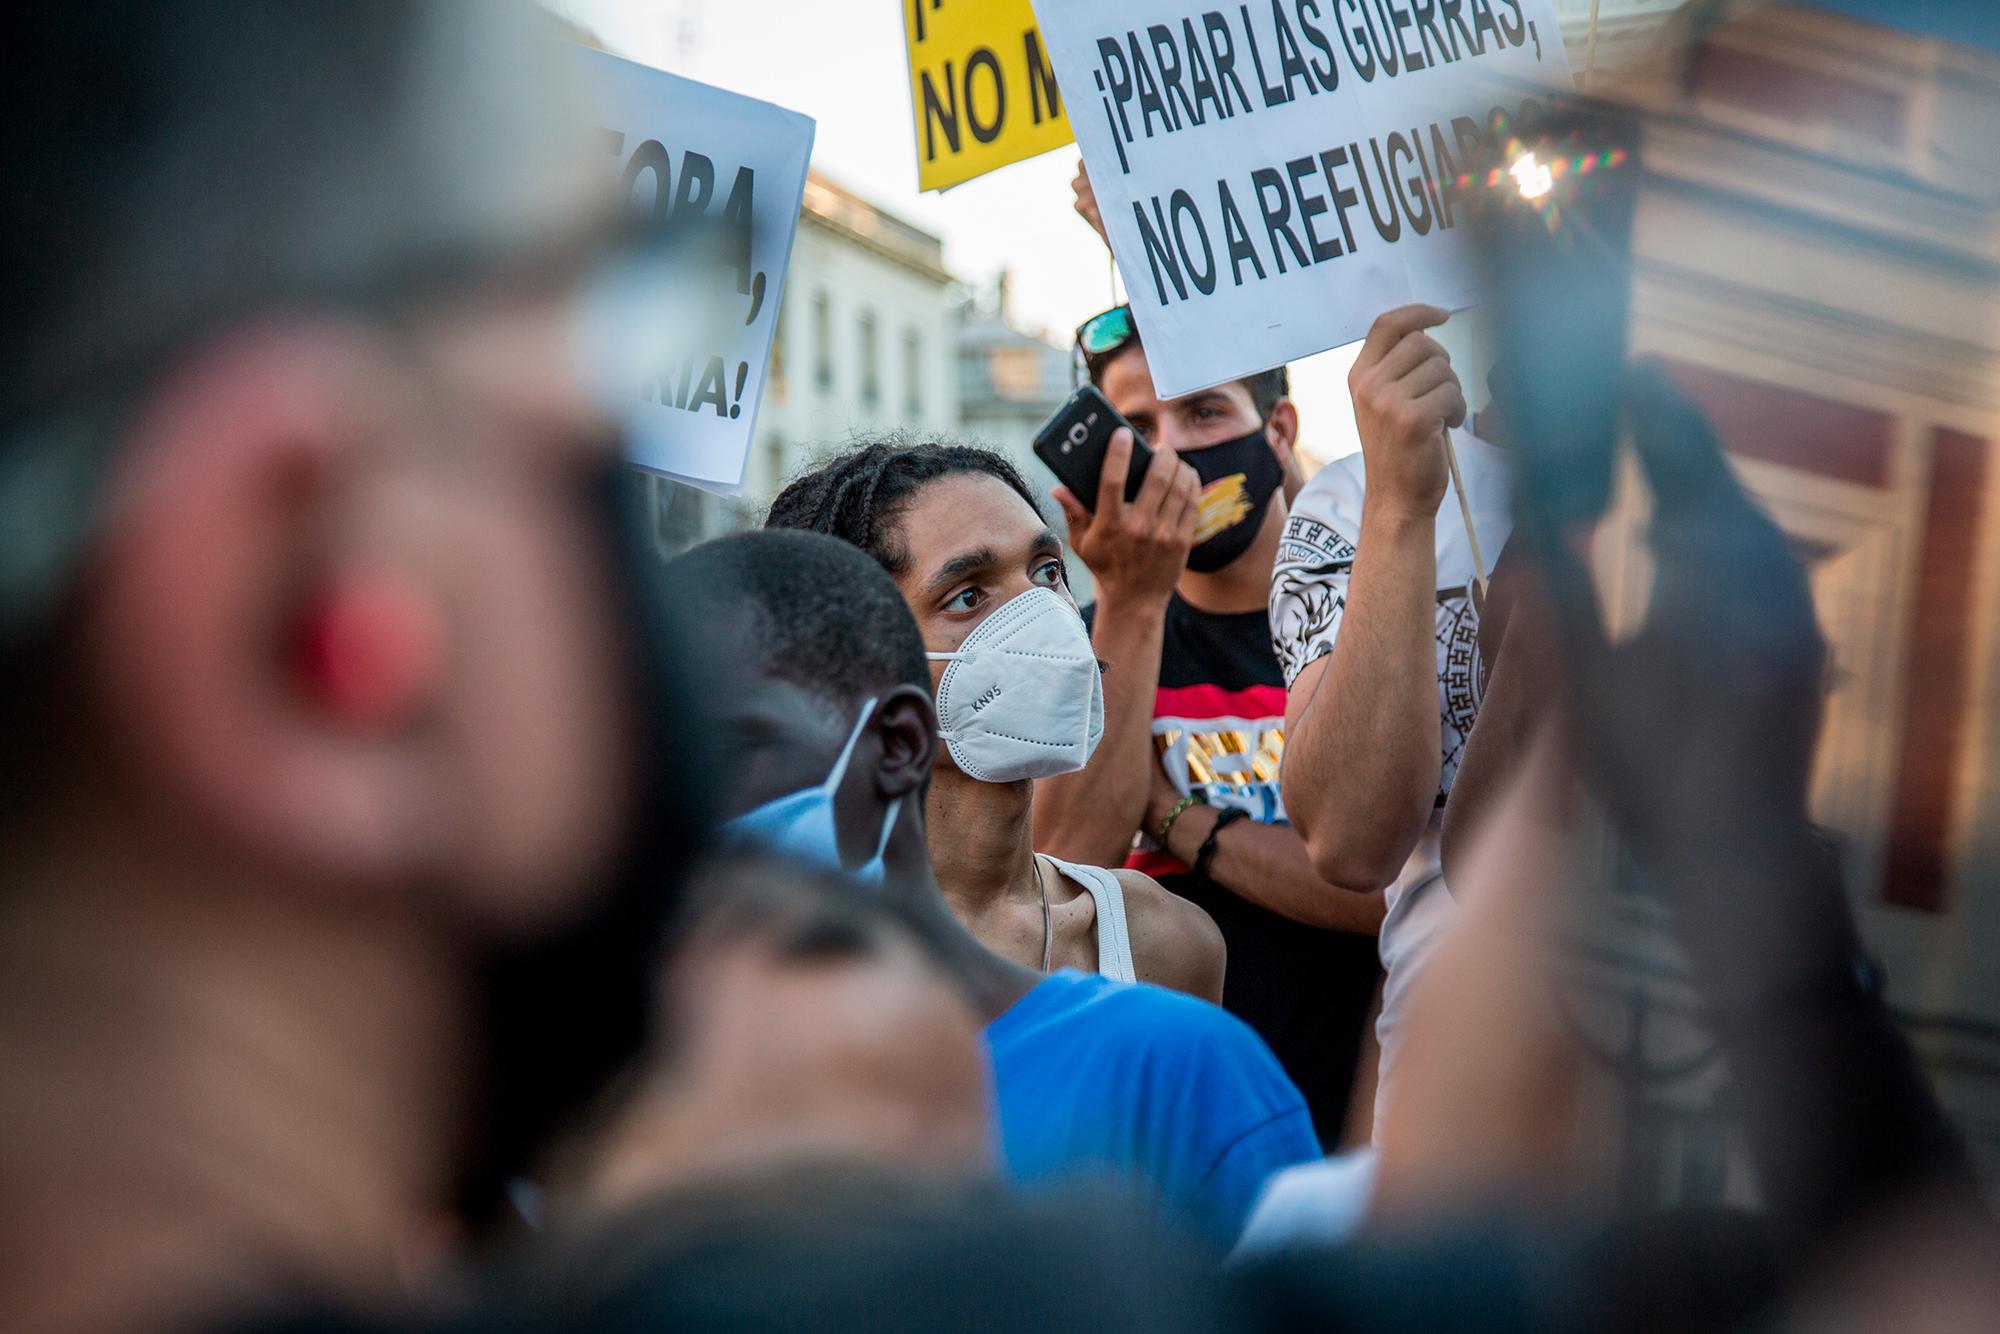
x: 856, y: 496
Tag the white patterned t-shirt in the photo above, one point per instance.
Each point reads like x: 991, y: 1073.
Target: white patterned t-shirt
x: 1316, y: 559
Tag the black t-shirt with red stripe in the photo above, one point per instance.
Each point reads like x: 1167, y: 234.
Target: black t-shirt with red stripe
x: 1218, y: 729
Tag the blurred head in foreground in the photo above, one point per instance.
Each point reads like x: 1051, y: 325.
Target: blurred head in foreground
x: 324, y: 715
x: 804, y: 1023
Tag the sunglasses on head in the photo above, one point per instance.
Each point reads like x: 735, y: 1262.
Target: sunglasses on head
x: 1104, y: 334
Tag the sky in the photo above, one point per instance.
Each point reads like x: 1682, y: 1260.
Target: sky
x: 842, y: 62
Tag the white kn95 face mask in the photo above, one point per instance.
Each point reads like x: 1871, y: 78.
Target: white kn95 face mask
x: 1023, y: 697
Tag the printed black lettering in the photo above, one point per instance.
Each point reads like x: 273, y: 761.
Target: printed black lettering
x: 1430, y: 182
x: 1471, y: 139
x: 1169, y: 60
x: 939, y: 116
x: 1042, y: 90
x: 1351, y: 32
x: 1387, y: 226
x: 1329, y: 77
x: 1159, y: 248
x: 1150, y: 103
x: 1117, y: 84
x: 1399, y: 18
x: 1518, y: 31
x: 1420, y: 223
x: 651, y: 156
x: 1276, y: 205
x: 1198, y: 75
x: 1273, y: 96
x: 985, y: 131
x: 1223, y: 53
x: 1203, y: 277
x: 1447, y: 171
x: 1291, y: 60
x: 697, y: 186
x: 1383, y: 39
x: 1235, y: 236
x: 1432, y: 42
x: 1310, y: 207
x: 738, y: 212
x: 1483, y: 22
x: 1455, y: 25
x: 709, y: 390
x: 1343, y: 198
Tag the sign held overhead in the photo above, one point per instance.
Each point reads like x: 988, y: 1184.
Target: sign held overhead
x: 982, y: 91
x: 728, y: 173
x: 1274, y: 174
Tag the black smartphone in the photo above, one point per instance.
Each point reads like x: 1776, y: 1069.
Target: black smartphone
x: 1553, y: 202
x: 1073, y: 443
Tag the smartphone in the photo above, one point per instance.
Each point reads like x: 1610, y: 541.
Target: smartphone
x: 1073, y: 443
x: 1553, y: 204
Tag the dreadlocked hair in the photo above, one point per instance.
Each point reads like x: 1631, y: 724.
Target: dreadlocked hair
x: 858, y: 496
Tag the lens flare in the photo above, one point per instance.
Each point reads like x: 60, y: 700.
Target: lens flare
x: 1532, y: 178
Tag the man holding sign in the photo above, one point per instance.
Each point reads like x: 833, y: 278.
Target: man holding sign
x: 1375, y: 731
x: 1195, y: 710
x: 1270, y: 176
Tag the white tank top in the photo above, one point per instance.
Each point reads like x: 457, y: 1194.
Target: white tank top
x: 1114, y: 944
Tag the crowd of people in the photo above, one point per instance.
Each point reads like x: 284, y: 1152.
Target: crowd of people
x: 423, y: 907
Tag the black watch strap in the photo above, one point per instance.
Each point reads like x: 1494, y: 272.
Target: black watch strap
x: 1223, y: 820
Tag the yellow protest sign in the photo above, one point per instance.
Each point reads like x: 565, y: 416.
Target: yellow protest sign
x: 981, y: 86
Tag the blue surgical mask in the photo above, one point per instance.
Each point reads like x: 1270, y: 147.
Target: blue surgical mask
x: 800, y: 825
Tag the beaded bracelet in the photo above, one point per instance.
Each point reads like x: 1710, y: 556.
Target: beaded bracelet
x: 1173, y: 814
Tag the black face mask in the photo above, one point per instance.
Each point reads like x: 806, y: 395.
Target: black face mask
x: 1238, y: 479
x: 566, y: 1013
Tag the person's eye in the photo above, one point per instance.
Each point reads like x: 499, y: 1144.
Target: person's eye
x: 1051, y: 573
x: 965, y: 599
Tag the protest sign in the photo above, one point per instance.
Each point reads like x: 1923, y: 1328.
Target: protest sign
x: 982, y: 91
x: 1275, y: 174
x: 733, y: 169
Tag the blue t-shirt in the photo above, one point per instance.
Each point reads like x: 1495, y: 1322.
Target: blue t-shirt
x: 1161, y: 1095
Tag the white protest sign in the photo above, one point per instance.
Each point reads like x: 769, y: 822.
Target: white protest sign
x: 685, y: 151
x: 1275, y: 174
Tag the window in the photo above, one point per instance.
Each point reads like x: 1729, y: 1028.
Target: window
x: 775, y: 381
x: 913, y: 375
x: 822, y: 340
x: 774, y: 455
x: 871, y: 361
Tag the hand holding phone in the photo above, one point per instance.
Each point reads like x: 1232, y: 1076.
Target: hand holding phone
x: 1131, y: 510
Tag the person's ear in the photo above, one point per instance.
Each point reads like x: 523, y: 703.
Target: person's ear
x: 907, y: 723
x: 264, y: 664
x: 1281, y: 428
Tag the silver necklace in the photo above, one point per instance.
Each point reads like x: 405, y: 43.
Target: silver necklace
x: 1048, y: 932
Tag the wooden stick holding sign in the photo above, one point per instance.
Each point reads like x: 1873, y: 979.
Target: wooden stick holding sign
x: 1465, y: 512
